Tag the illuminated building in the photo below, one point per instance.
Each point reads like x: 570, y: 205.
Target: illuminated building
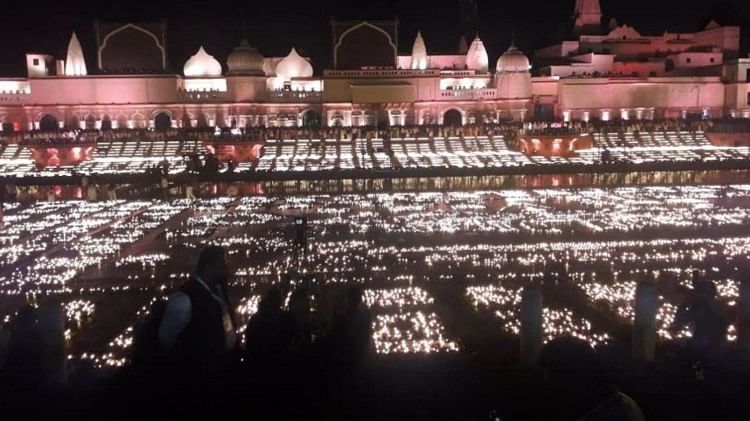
x: 595, y: 74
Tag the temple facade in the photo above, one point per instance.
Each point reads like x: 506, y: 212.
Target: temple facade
x: 601, y: 73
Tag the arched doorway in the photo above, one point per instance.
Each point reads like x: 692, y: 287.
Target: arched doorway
x: 382, y: 119
x: 186, y: 121
x: 311, y: 118
x: 202, y: 122
x: 7, y: 127
x: 337, y: 120
x: 122, y: 121
x: 74, y: 123
x: 452, y: 118
x: 162, y: 121
x: 90, y: 122
x: 48, y: 123
x: 106, y: 122
x: 139, y: 122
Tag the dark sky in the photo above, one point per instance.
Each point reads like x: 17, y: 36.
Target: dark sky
x: 273, y: 26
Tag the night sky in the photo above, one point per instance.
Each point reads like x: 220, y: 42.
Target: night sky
x: 273, y: 26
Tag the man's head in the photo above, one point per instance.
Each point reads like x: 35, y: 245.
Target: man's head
x: 573, y: 373
x: 213, y: 265
x: 353, y: 297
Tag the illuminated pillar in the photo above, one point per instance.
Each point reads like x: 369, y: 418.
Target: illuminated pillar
x: 743, y: 317
x: 531, y: 324
x: 644, y: 324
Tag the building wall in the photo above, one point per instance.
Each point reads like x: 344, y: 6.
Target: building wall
x: 104, y: 90
x: 247, y: 88
x: 666, y: 96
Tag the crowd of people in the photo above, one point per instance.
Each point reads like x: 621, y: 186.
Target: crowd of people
x: 192, y: 358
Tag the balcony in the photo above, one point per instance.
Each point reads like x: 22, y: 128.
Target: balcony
x: 203, y: 96
x: 485, y: 94
x: 17, y: 97
x: 294, y: 96
x: 380, y: 73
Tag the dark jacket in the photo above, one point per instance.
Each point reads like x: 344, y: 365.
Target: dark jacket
x: 202, y: 344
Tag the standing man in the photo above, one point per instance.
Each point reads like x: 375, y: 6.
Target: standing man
x: 197, y: 326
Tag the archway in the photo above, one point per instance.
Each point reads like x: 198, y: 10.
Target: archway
x: 106, y: 122
x: 122, y: 121
x: 163, y: 121
x: 311, y: 118
x: 48, y: 123
x: 186, y: 121
x: 90, y: 122
x: 202, y: 122
x: 139, y: 122
x: 382, y: 121
x: 8, y: 127
x: 452, y: 118
x: 74, y: 122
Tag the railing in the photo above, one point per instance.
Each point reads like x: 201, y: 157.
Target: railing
x: 468, y: 94
x: 14, y: 97
x: 204, y: 96
x: 294, y: 96
x: 381, y: 73
x: 458, y: 73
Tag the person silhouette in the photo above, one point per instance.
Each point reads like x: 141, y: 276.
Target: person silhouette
x: 576, y: 387
x: 269, y: 332
x: 702, y: 311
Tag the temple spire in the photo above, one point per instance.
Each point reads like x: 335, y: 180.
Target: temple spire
x: 419, y: 53
x: 588, y: 17
x: 75, y: 64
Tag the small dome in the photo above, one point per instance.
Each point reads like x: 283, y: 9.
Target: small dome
x: 477, y: 58
x: 293, y: 66
x: 245, y: 60
x: 513, y: 61
x: 202, y: 64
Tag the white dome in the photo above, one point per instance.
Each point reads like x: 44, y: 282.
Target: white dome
x: 293, y: 66
x: 245, y: 60
x: 477, y: 58
x: 202, y: 64
x: 512, y: 61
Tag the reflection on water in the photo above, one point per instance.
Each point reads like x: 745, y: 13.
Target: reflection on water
x: 413, y: 184
x: 505, y: 182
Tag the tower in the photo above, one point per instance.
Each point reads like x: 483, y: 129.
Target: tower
x: 588, y: 17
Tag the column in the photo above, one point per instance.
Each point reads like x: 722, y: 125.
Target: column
x: 531, y: 324
x: 644, y: 325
